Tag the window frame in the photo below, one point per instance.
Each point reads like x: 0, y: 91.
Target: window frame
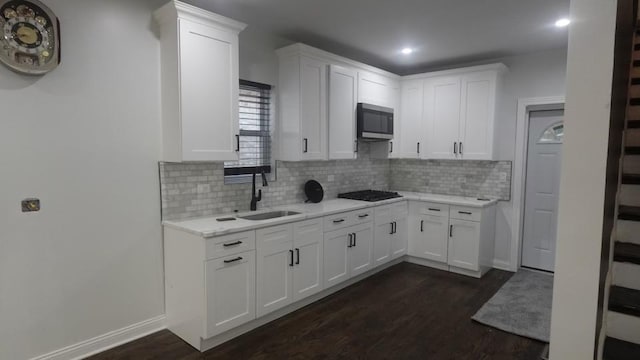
x: 236, y: 175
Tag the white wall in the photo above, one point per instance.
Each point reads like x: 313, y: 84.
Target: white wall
x: 538, y: 74
x: 587, y: 110
x: 85, y: 140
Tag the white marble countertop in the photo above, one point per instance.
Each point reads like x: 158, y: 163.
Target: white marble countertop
x: 210, y: 227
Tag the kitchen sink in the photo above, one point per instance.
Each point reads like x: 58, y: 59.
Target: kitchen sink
x: 268, y: 215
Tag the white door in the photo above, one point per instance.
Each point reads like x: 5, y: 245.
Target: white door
x: 336, y: 257
x: 399, y: 241
x: 542, y: 189
x: 343, y: 100
x: 476, y: 116
x: 382, y: 242
x: 464, y: 244
x: 208, y: 93
x: 313, y: 109
x: 307, y: 270
x: 433, y: 237
x: 231, y: 290
x: 360, y: 252
x: 442, y: 116
x: 275, y: 260
x: 410, y: 120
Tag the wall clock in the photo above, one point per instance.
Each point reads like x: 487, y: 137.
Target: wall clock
x: 30, y: 36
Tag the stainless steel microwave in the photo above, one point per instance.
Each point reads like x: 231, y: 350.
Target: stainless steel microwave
x: 374, y: 122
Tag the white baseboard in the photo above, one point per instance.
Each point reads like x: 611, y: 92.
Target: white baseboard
x: 106, y: 341
x: 502, y: 265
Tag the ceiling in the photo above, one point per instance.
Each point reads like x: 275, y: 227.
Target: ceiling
x: 442, y: 32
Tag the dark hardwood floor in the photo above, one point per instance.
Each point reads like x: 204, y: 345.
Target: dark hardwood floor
x: 404, y: 312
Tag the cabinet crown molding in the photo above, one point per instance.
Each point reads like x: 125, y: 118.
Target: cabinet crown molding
x: 310, y: 51
x: 174, y: 10
x: 498, y: 67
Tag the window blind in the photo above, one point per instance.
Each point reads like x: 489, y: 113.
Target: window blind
x: 255, y: 130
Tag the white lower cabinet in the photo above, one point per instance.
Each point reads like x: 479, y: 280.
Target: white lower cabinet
x: 289, y: 264
x: 464, y: 244
x: 347, y: 253
x: 461, y: 238
x: 230, y: 292
x: 390, y: 236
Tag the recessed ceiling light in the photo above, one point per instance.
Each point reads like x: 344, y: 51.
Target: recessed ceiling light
x: 407, y: 51
x: 563, y: 22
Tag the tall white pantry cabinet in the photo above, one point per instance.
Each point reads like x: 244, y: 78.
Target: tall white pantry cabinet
x: 199, y: 71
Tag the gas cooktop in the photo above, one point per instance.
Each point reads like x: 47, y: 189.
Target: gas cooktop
x: 369, y: 195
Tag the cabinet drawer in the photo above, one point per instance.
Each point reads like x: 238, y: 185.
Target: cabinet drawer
x: 362, y: 216
x: 231, y: 244
x: 435, y: 209
x: 339, y: 221
x: 465, y: 213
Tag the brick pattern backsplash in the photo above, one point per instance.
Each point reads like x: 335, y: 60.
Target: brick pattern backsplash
x: 453, y: 177
x: 190, y: 190
x: 180, y: 183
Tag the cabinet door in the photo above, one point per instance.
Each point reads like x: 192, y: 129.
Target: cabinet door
x: 336, y: 256
x: 432, y: 237
x: 208, y: 92
x: 382, y: 242
x: 307, y: 272
x: 375, y: 89
x: 343, y: 100
x: 442, y: 116
x: 464, y: 244
x: 360, y: 253
x: 275, y: 262
x: 400, y: 238
x: 477, y: 115
x: 231, y: 289
x: 313, y: 109
x: 410, y: 121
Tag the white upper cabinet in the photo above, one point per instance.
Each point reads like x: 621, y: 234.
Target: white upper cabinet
x: 376, y: 89
x: 460, y: 114
x: 199, y: 67
x: 477, y: 114
x: 411, y: 139
x: 343, y: 99
x: 442, y: 116
x: 303, y: 106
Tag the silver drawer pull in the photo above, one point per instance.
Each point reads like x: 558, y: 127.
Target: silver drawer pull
x: 464, y: 212
x: 233, y: 260
x: 363, y: 216
x: 338, y: 221
x: 232, y: 244
x: 432, y: 209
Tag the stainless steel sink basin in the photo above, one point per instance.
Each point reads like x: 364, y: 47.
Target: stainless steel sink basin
x: 268, y: 215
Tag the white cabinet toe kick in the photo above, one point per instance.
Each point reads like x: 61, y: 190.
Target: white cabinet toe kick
x: 219, y: 287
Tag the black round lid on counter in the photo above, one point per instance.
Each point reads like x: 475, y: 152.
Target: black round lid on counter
x: 314, y: 191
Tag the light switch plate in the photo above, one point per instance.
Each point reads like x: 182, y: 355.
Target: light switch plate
x: 30, y: 205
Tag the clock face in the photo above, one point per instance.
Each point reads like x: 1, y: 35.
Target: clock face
x: 30, y: 36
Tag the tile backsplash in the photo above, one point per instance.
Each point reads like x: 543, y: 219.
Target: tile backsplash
x: 453, y: 177
x: 190, y: 190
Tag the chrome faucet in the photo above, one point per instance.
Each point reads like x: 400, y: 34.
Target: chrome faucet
x: 254, y: 198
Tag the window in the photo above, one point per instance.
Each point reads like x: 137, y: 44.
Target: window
x: 554, y: 134
x: 255, y: 131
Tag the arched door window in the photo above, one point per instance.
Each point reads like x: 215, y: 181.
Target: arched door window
x: 554, y: 134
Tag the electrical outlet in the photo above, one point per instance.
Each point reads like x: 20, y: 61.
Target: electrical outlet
x: 30, y: 205
x: 204, y: 188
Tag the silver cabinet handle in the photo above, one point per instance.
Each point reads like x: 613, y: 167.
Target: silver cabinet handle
x: 421, y: 225
x: 390, y: 146
x: 233, y: 260
x: 306, y: 145
x: 455, y: 148
x: 461, y: 148
x: 232, y: 244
